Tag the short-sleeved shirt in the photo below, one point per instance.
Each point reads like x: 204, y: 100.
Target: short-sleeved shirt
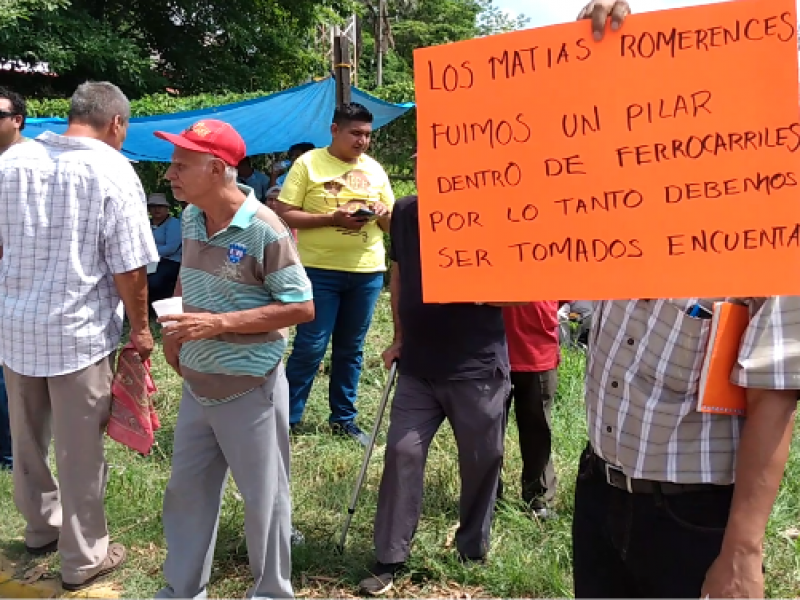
x: 532, y: 332
x: 319, y: 183
x: 250, y: 264
x: 168, y: 239
x: 642, y: 384
x: 441, y: 341
x: 72, y: 215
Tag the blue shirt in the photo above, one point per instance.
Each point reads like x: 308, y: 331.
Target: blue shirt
x: 168, y: 239
x: 258, y: 182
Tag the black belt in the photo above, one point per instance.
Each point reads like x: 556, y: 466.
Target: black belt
x: 616, y: 478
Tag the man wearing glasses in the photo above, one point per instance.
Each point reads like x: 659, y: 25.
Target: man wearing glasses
x: 12, y: 122
x: 12, y: 118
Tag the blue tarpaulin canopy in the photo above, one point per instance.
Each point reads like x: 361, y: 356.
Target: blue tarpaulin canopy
x: 269, y: 124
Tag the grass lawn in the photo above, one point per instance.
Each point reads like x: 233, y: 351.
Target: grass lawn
x: 528, y: 559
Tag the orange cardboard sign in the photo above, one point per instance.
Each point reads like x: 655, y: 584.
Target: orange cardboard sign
x: 660, y: 162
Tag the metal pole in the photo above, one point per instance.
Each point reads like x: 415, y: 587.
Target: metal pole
x: 379, y: 41
x: 351, y: 510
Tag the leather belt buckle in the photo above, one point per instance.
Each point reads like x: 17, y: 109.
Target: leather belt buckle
x: 616, y: 478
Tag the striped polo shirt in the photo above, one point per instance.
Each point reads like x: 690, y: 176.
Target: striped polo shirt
x: 250, y: 264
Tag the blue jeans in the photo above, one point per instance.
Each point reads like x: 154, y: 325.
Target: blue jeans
x: 5, y: 427
x: 344, y: 303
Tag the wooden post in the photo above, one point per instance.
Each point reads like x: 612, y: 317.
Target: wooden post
x: 342, y: 69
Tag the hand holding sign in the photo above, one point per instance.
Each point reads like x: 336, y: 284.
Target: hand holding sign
x: 599, y: 11
x: 661, y: 162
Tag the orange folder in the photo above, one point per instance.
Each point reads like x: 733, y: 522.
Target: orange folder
x: 717, y: 394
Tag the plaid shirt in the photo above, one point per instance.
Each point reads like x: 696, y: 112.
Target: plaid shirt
x: 72, y: 214
x: 642, y: 383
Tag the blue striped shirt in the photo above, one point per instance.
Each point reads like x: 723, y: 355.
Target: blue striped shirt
x: 251, y: 263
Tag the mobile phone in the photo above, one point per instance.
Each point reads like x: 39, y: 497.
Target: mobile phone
x: 363, y: 212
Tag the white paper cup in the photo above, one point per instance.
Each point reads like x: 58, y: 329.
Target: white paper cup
x: 168, y: 306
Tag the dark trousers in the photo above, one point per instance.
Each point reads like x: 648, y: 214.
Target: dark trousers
x: 533, y: 395
x: 161, y: 284
x: 643, y: 545
x: 474, y: 408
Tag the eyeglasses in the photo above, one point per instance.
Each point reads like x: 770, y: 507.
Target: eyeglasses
x: 5, y: 114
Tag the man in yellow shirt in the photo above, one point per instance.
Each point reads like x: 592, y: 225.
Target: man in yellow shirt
x: 339, y: 201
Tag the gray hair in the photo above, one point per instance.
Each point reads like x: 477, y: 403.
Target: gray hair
x: 96, y: 103
x: 231, y: 173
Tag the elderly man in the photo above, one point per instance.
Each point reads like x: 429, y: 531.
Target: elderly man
x: 242, y: 286
x: 13, y: 111
x: 338, y: 199
x: 75, y: 240
x: 657, y: 513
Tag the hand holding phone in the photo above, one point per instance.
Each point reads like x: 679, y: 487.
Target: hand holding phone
x: 364, y: 213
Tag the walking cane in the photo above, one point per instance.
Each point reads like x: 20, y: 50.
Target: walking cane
x: 375, y: 428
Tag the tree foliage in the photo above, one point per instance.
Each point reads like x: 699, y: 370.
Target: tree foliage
x: 145, y: 46
x: 229, y: 49
x: 416, y: 24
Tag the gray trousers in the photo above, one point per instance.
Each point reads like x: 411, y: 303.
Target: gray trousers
x: 475, y: 410
x: 249, y: 436
x: 74, y: 409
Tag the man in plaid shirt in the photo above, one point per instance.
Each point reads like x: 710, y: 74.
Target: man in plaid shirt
x: 75, y: 241
x: 656, y: 510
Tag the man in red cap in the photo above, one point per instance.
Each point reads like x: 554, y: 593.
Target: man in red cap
x: 242, y: 286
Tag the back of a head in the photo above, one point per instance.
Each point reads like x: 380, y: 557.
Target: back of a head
x: 301, y: 148
x: 352, y: 113
x: 96, y: 103
x: 18, y: 104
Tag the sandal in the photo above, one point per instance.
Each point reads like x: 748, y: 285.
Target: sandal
x: 114, y: 560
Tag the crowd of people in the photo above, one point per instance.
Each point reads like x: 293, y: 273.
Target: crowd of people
x: 656, y: 512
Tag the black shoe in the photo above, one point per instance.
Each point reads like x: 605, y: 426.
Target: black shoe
x: 381, y: 580
x: 352, y: 430
x: 50, y: 548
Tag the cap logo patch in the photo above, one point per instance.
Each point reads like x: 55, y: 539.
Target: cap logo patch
x: 199, y: 129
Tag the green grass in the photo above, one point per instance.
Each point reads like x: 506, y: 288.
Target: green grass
x: 528, y: 559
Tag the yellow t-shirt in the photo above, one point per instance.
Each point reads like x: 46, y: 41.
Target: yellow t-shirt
x: 319, y: 183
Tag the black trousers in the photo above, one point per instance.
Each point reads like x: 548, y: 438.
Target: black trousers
x: 643, y: 545
x: 532, y: 394
x: 161, y: 284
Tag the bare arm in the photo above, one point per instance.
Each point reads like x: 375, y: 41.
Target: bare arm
x: 132, y: 288
x: 763, y: 451
x: 761, y: 459
x: 267, y: 318
x: 297, y: 218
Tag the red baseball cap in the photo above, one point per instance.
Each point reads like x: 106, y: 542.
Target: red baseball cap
x: 210, y: 136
